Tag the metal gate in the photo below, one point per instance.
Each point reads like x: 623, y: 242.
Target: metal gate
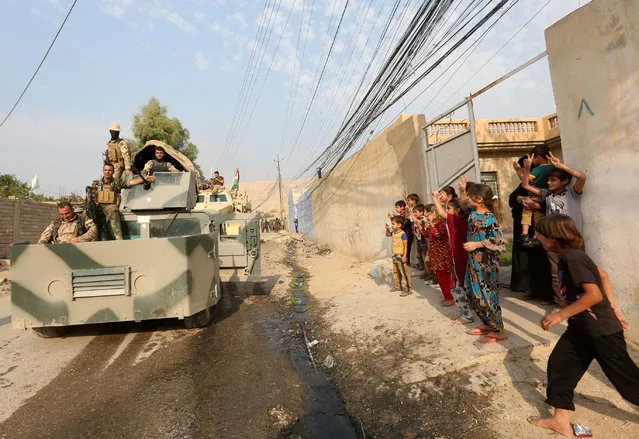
x: 456, y: 154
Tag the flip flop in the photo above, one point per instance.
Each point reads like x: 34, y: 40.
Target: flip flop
x: 447, y: 303
x: 460, y: 321
x: 405, y: 293
x: 477, y: 331
x: 491, y: 339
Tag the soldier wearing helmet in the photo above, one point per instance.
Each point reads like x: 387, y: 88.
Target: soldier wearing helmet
x: 117, y: 153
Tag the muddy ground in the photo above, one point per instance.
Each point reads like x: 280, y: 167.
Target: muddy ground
x: 404, y: 371
x: 246, y: 376
x: 318, y: 350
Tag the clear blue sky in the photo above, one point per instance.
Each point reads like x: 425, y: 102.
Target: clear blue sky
x: 113, y: 55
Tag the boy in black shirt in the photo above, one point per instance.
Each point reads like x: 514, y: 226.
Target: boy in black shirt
x: 595, y: 327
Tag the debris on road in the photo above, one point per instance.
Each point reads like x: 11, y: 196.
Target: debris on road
x: 329, y: 362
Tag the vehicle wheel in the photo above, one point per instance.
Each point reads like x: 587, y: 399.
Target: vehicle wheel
x: 51, y: 331
x: 198, y: 320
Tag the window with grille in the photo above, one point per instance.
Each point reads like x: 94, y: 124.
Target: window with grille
x: 490, y: 178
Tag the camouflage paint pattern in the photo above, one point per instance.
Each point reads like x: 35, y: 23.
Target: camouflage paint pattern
x: 165, y: 277
x: 167, y: 266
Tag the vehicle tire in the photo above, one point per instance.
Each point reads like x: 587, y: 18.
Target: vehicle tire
x: 198, y: 320
x: 51, y: 331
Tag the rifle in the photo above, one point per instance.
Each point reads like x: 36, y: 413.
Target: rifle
x: 91, y: 211
x: 147, y: 184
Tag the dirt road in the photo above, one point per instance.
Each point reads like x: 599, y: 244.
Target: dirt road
x: 399, y: 368
x: 247, y: 375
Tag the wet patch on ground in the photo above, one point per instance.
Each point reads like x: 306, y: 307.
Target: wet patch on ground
x: 383, y: 405
x: 326, y: 414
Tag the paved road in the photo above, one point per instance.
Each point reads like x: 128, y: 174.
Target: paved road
x: 246, y: 377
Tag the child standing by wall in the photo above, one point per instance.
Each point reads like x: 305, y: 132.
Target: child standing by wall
x: 485, y: 244
x: 441, y: 255
x: 399, y: 248
x: 561, y: 197
x: 407, y: 226
x: 595, y: 329
x: 457, y: 226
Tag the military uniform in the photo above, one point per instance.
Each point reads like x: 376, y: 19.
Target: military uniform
x: 59, y: 231
x: 107, y: 195
x: 153, y: 166
x: 117, y: 153
x: 217, y: 185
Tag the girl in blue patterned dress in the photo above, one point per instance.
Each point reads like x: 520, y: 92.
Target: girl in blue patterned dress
x: 485, y: 244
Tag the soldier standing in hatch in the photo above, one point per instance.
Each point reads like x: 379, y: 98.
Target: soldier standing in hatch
x: 70, y: 227
x: 158, y: 164
x: 106, y: 196
x: 117, y: 153
x: 217, y: 183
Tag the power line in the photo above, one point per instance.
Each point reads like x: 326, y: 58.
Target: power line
x: 39, y: 65
x: 496, y: 53
x: 310, y: 104
x: 390, y: 79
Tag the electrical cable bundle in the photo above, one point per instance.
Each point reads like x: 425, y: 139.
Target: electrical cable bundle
x: 435, y: 32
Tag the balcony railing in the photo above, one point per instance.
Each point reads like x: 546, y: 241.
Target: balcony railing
x: 512, y: 127
x: 553, y: 121
x: 447, y: 129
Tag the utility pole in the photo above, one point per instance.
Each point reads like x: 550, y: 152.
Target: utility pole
x: 279, y: 184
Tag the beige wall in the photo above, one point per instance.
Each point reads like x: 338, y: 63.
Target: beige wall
x: 594, y: 55
x: 22, y: 220
x: 350, y: 208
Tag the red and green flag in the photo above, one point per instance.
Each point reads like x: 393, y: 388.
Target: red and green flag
x: 236, y: 180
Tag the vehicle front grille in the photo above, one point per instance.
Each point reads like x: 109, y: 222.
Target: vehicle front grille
x: 101, y: 282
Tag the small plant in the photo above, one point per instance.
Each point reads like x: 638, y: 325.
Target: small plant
x: 506, y: 258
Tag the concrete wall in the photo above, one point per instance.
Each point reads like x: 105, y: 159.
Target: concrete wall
x: 350, y: 208
x: 23, y: 221
x: 594, y: 58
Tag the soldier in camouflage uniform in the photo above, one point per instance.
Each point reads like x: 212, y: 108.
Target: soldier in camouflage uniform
x: 117, y: 153
x: 70, y: 227
x: 106, y: 196
x: 159, y: 163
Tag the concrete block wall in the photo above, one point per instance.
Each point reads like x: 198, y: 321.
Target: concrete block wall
x: 7, y: 207
x: 593, y: 55
x: 23, y: 221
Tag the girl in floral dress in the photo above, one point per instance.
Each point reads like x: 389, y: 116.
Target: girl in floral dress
x: 485, y: 244
x: 441, y: 255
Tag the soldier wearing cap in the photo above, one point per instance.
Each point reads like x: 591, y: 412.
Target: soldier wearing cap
x: 106, y: 197
x: 70, y: 227
x: 117, y: 153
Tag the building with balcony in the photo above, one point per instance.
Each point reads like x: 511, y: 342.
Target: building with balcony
x: 500, y: 142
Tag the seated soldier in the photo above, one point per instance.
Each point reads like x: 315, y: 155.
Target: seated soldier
x: 217, y: 183
x: 106, y: 198
x: 70, y: 227
x: 158, y: 164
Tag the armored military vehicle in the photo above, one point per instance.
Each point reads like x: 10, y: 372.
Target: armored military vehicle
x: 223, y: 200
x: 169, y: 265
